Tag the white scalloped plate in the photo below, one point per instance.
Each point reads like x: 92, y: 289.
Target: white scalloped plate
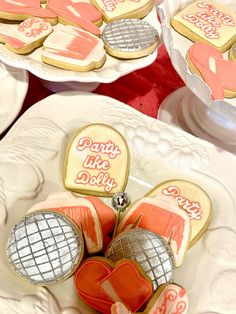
x: 111, y: 71
x: 32, y: 155
x: 14, y: 86
x: 177, y: 46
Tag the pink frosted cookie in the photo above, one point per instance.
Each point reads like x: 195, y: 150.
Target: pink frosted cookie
x: 207, y: 22
x: 218, y: 73
x: 20, y: 10
x: 26, y: 36
x: 113, y: 10
x: 73, y: 49
x: 168, y: 299
x: 76, y: 13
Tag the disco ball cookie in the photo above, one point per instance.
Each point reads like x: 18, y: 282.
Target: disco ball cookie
x: 207, y: 22
x: 150, y: 250
x: 232, y: 53
x: 45, y: 248
x: 96, y: 161
x: 130, y: 38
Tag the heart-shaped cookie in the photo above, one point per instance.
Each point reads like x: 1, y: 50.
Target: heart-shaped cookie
x: 108, y: 283
x: 192, y: 199
x: 81, y: 211
x: 113, y: 10
x: 20, y: 10
x: 162, y: 217
x: 96, y: 161
x: 168, y: 299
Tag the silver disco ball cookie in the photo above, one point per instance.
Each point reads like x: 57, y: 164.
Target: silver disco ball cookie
x: 150, y: 250
x: 130, y: 38
x: 45, y: 248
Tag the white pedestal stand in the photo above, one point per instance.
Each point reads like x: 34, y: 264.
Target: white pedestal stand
x: 184, y: 110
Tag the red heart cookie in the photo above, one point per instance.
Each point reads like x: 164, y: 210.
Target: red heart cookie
x: 168, y: 299
x: 163, y: 217
x: 108, y: 283
x: 22, y: 9
x: 81, y: 211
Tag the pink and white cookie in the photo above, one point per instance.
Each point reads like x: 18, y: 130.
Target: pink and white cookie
x: 73, y: 49
x: 19, y: 10
x: 27, y: 36
x: 168, y: 299
x: 76, y: 13
x: 96, y: 161
x: 192, y: 199
x: 114, y: 10
x: 207, y: 22
x: 162, y: 217
x: 218, y: 73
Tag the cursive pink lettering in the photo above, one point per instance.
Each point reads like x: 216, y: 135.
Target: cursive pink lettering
x: 110, y: 5
x: 95, y: 162
x: 103, y: 179
x: 193, y: 209
x: 109, y: 148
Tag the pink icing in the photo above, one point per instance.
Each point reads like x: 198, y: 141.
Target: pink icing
x: 14, y: 42
x: 103, y: 179
x: 221, y: 76
x: 110, y: 5
x: 80, y: 47
x: 193, y: 209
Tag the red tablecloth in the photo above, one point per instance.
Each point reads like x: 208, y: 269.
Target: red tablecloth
x: 144, y: 89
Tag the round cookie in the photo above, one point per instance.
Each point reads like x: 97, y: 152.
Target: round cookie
x: 96, y: 161
x: 232, y: 53
x: 45, y: 248
x: 192, y: 199
x: 130, y: 38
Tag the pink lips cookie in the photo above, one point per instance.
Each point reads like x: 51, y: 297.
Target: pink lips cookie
x: 218, y: 73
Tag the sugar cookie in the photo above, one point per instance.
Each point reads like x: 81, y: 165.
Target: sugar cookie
x: 207, y: 22
x: 149, y: 249
x: 25, y: 37
x: 45, y: 248
x: 76, y: 13
x: 218, y: 73
x: 192, y: 199
x: 113, y: 10
x: 100, y: 283
x: 73, y: 49
x: 163, y: 218
x: 19, y: 10
x: 232, y: 53
x: 96, y: 161
x: 168, y: 299
x: 128, y: 39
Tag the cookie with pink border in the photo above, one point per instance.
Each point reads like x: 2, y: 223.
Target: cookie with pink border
x: 96, y: 161
x: 25, y: 37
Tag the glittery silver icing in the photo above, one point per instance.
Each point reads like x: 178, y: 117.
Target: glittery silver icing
x: 150, y: 250
x: 129, y: 35
x: 44, y: 247
x: 120, y: 201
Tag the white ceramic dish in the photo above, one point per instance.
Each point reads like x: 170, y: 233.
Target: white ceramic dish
x: 32, y: 155
x: 177, y: 46
x: 111, y: 71
x: 14, y: 86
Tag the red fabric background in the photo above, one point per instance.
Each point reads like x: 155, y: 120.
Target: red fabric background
x: 144, y: 89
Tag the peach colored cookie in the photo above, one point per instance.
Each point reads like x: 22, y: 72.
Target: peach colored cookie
x: 232, y: 53
x: 207, y: 22
x: 81, y: 211
x: 20, y: 10
x: 192, y: 199
x: 96, y: 161
x: 168, y: 299
x: 218, y: 73
x: 76, y: 13
x: 73, y: 49
x: 161, y: 217
x: 108, y: 283
x: 25, y: 37
x: 125, y: 9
